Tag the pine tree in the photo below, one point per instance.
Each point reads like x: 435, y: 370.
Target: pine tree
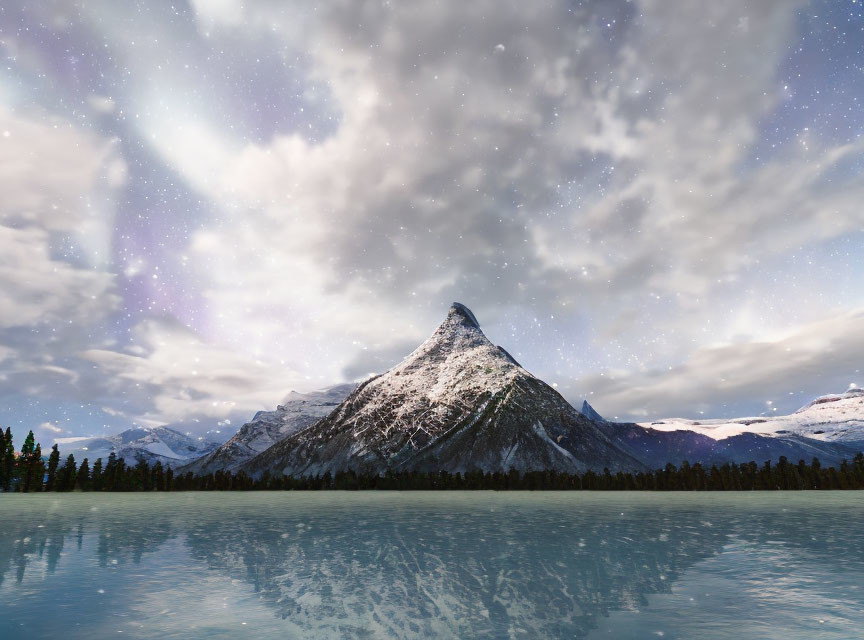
x: 36, y: 470
x: 2, y: 461
x: 53, y: 463
x: 96, y: 476
x: 858, y: 470
x: 31, y: 468
x: 816, y: 466
x: 110, y: 471
x: 8, y: 461
x: 82, y: 480
x: 157, y: 477
x: 67, y: 475
x: 22, y: 463
x: 142, y: 474
x: 119, y: 481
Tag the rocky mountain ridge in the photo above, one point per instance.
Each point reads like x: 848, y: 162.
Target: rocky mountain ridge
x: 153, y: 444
x: 297, y: 411
x: 461, y: 403
x: 457, y: 403
x: 833, y: 418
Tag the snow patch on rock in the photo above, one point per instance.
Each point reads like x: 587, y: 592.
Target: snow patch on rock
x: 831, y: 418
x: 156, y: 444
x: 297, y: 411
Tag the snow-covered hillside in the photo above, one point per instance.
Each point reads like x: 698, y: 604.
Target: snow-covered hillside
x: 831, y: 418
x: 163, y: 444
x: 457, y: 403
x: 297, y: 411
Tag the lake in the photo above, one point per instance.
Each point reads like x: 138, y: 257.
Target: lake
x: 445, y: 565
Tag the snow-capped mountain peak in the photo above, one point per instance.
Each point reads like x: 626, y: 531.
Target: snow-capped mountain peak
x: 457, y: 308
x: 457, y: 402
x: 850, y: 394
x: 457, y: 355
x: 297, y: 411
x: 163, y: 444
x: 589, y: 412
x: 836, y: 417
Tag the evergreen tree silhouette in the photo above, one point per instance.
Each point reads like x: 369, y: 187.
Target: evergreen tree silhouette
x: 36, y: 470
x: 8, y: 460
x: 82, y: 479
x: 53, y: 463
x: 23, y: 462
x: 28, y: 470
x: 142, y: 475
x: 66, y: 477
x: 157, y: 477
x: 3, y: 471
x: 96, y: 476
x: 110, y: 471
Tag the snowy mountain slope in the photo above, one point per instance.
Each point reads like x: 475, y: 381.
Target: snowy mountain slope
x: 588, y: 411
x: 457, y: 403
x: 831, y: 418
x: 656, y: 448
x: 163, y: 444
x: 296, y: 412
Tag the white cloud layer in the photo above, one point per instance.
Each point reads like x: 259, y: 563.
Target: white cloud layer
x: 586, y: 178
x: 58, y: 183
x: 168, y: 374
x: 828, y: 353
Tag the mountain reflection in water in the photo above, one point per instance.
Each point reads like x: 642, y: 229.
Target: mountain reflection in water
x: 473, y: 564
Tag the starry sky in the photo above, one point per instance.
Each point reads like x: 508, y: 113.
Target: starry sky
x: 206, y: 203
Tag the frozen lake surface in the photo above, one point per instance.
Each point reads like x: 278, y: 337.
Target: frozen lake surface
x: 445, y: 565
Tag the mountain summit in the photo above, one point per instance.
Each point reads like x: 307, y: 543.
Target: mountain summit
x: 297, y: 411
x: 589, y: 412
x: 457, y: 403
x: 153, y: 444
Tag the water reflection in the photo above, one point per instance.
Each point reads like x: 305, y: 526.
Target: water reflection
x: 432, y: 571
x: 417, y: 565
x: 38, y: 529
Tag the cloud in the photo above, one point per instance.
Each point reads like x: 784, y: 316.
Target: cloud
x: 456, y: 167
x: 101, y: 104
x: 586, y: 178
x: 37, y: 289
x: 56, y: 177
x: 45, y: 433
x: 51, y: 428
x: 55, y: 223
x: 578, y: 172
x: 168, y: 374
x: 821, y: 356
x: 58, y: 184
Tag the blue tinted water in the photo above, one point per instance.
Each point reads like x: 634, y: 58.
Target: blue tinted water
x: 419, y: 565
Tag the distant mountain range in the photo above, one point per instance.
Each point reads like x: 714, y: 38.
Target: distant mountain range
x: 162, y: 444
x: 829, y: 418
x: 460, y: 403
x: 297, y: 411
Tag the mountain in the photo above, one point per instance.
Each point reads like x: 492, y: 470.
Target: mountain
x: 457, y: 403
x: 656, y: 448
x: 162, y: 444
x: 834, y: 418
x: 588, y: 411
x: 297, y: 411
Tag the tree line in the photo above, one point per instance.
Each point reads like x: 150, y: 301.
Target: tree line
x: 27, y: 471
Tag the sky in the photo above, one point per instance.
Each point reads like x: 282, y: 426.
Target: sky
x: 206, y: 203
